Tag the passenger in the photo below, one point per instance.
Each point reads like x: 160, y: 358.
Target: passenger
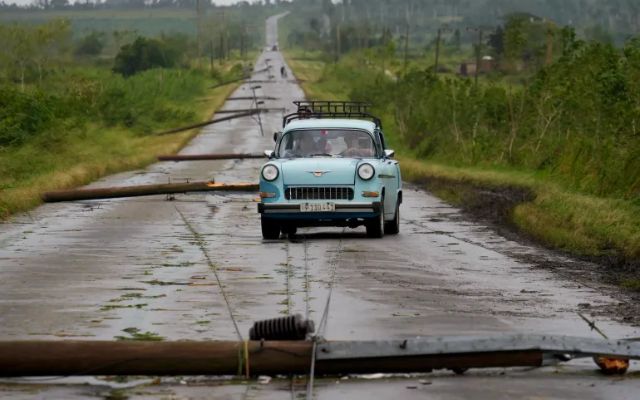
x: 306, y: 146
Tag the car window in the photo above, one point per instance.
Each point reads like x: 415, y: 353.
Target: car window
x: 326, y: 143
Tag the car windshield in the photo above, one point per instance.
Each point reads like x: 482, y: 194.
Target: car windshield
x: 326, y: 143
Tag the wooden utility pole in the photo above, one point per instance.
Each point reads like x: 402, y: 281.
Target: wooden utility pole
x: 435, y: 68
x: 208, y: 157
x: 406, y: 48
x: 144, y: 190
x: 478, y: 55
x: 211, y: 55
x: 442, y: 29
x: 242, y: 38
x: 338, y: 43
x: 198, y: 32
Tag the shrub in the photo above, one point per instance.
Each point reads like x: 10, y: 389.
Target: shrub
x: 144, y: 54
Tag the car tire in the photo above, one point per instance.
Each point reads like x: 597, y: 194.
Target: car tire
x: 375, y: 226
x: 290, y: 229
x: 393, y: 227
x: 270, y: 229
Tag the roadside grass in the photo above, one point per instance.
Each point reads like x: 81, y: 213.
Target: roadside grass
x: 81, y: 157
x: 580, y: 224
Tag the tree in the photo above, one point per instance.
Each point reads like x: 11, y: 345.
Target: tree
x: 90, y: 45
x: 145, y: 54
x: 59, y: 4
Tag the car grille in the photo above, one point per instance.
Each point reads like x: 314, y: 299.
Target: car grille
x: 318, y: 193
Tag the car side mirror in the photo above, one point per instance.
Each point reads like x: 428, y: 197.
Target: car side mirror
x: 389, y: 153
x: 276, y: 136
x: 268, y: 153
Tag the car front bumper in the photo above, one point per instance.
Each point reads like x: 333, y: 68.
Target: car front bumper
x: 343, y: 210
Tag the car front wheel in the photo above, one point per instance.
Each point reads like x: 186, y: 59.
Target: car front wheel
x: 393, y: 227
x: 270, y: 229
x: 375, y: 226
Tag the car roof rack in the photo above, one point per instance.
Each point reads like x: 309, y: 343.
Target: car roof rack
x: 330, y: 109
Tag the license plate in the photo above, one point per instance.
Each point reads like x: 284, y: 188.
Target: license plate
x: 317, y: 207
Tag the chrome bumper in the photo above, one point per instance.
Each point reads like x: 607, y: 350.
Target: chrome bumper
x: 294, y: 208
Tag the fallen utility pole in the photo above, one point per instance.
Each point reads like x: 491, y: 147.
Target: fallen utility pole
x: 202, y: 157
x: 273, y: 357
x: 267, y: 68
x: 252, y: 98
x: 228, y: 82
x: 265, y: 110
x: 31, y: 358
x: 144, y: 190
x: 205, y: 123
x: 217, y: 358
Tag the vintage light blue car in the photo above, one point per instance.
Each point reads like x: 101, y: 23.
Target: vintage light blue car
x: 330, y: 167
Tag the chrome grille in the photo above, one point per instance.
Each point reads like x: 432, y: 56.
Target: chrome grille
x: 318, y: 193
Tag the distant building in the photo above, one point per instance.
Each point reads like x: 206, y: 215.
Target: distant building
x: 487, y: 64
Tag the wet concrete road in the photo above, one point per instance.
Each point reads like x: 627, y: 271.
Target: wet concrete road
x: 105, y: 269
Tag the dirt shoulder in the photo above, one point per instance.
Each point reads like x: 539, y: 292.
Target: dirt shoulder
x: 496, y: 205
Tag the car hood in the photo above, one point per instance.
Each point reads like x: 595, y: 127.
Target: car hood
x: 319, y: 171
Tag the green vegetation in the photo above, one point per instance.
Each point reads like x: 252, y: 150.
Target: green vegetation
x: 65, y: 123
x: 144, y: 54
x: 566, y: 131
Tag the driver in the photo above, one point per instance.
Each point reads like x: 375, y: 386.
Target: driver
x: 355, y: 147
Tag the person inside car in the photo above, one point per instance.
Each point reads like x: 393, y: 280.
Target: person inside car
x: 357, y: 146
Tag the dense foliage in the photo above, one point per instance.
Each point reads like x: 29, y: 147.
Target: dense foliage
x: 144, y: 54
x: 82, y: 96
x: 577, y: 119
x: 46, y: 93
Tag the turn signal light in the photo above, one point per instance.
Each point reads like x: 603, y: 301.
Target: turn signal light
x: 370, y: 194
x: 267, y: 195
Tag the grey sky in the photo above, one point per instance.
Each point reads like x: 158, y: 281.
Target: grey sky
x: 25, y: 2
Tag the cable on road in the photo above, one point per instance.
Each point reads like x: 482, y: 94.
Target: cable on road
x: 322, y: 327
x: 201, y: 244
x: 307, y: 288
x: 243, y: 350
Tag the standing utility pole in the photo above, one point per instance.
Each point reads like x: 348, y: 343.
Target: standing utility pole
x: 406, y: 47
x: 338, y: 43
x: 478, y: 55
x: 211, y: 54
x: 478, y: 51
x: 198, y: 31
x: 435, y: 68
x: 438, y: 40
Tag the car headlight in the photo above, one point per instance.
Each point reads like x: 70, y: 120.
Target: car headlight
x: 366, y: 171
x: 270, y: 172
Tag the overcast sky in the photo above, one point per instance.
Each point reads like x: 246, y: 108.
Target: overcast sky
x: 25, y: 2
